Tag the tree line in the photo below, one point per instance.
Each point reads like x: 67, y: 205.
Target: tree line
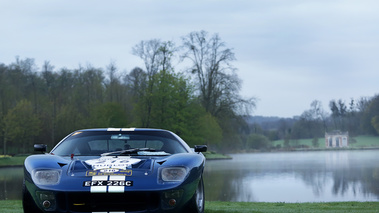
x: 358, y: 117
x: 200, y: 103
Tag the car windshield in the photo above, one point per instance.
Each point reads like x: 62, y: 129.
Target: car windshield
x: 92, y: 143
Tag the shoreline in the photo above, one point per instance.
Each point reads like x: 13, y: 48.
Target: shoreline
x: 306, y: 150
x: 18, y: 161
x: 15, y: 206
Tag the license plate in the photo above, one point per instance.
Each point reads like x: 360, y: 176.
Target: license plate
x: 108, y: 183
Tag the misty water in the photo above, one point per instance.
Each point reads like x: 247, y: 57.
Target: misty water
x: 319, y: 176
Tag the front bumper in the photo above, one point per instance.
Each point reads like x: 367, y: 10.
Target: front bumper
x: 137, y: 201
x: 100, y: 202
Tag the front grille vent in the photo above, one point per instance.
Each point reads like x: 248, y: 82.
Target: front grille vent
x: 128, y: 202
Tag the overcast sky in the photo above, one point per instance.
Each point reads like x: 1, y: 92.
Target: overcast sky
x: 289, y: 52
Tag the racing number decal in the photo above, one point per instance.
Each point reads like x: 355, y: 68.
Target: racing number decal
x: 111, y: 184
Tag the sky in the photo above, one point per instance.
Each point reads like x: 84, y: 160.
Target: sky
x: 288, y: 52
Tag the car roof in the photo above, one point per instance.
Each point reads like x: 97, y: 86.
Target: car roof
x: 122, y: 129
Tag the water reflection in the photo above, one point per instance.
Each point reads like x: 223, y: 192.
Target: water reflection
x: 295, y: 177
x: 11, y: 183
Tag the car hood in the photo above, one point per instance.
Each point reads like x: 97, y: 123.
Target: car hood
x: 111, y: 165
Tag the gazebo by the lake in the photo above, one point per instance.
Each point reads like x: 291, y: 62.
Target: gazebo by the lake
x: 336, y: 139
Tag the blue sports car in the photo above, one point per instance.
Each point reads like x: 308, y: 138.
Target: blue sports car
x: 115, y: 170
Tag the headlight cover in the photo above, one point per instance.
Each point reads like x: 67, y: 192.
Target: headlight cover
x: 47, y: 177
x: 173, y: 174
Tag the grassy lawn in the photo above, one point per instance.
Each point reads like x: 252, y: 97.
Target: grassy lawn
x: 215, y: 156
x: 335, y: 207
x: 15, y: 206
x: 12, y: 161
x: 365, y: 141
x: 11, y: 206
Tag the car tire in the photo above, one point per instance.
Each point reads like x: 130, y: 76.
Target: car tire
x: 197, y: 202
x: 27, y: 202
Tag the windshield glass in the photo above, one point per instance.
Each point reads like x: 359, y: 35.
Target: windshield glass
x: 99, y: 142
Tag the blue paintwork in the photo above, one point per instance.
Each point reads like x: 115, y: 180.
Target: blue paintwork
x: 194, y: 162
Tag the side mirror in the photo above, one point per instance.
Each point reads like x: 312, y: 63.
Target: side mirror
x: 201, y: 148
x: 40, y: 147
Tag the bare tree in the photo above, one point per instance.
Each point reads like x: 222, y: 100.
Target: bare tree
x: 157, y: 56
x: 50, y: 80
x: 217, y: 81
x: 319, y: 113
x: 136, y: 81
x: 148, y: 51
x: 113, y: 81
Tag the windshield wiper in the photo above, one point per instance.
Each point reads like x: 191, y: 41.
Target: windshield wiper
x: 129, y: 151
x: 136, y: 150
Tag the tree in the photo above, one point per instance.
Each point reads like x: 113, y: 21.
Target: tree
x: 315, y: 142
x: 257, y: 141
x: 5, y: 96
x: 70, y: 119
x: 352, y: 120
x: 168, y: 103
x: 339, y: 112
x: 109, y: 114
x: 157, y: 57
x: 112, y: 82
x: 21, y: 125
x: 88, y: 89
x: 375, y: 123
x: 369, y: 117
x: 217, y: 81
x: 136, y: 82
x: 318, y: 113
x: 165, y: 99
x: 50, y: 79
x: 287, y: 141
x: 210, y: 130
x: 148, y: 51
x: 312, y: 122
x: 135, y: 86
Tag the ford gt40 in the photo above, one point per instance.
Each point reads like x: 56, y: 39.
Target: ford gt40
x: 115, y: 170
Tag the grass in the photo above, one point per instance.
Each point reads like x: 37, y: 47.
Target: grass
x: 11, y: 206
x: 336, y: 207
x: 363, y: 141
x: 15, y: 206
x: 210, y: 155
x: 12, y: 161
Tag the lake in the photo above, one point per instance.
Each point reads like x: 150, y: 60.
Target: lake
x: 11, y: 183
x: 314, y: 176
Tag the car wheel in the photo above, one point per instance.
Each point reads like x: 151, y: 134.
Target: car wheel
x: 27, y: 202
x: 196, y: 204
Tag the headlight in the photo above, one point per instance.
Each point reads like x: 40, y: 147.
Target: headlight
x: 46, y: 177
x: 173, y: 173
